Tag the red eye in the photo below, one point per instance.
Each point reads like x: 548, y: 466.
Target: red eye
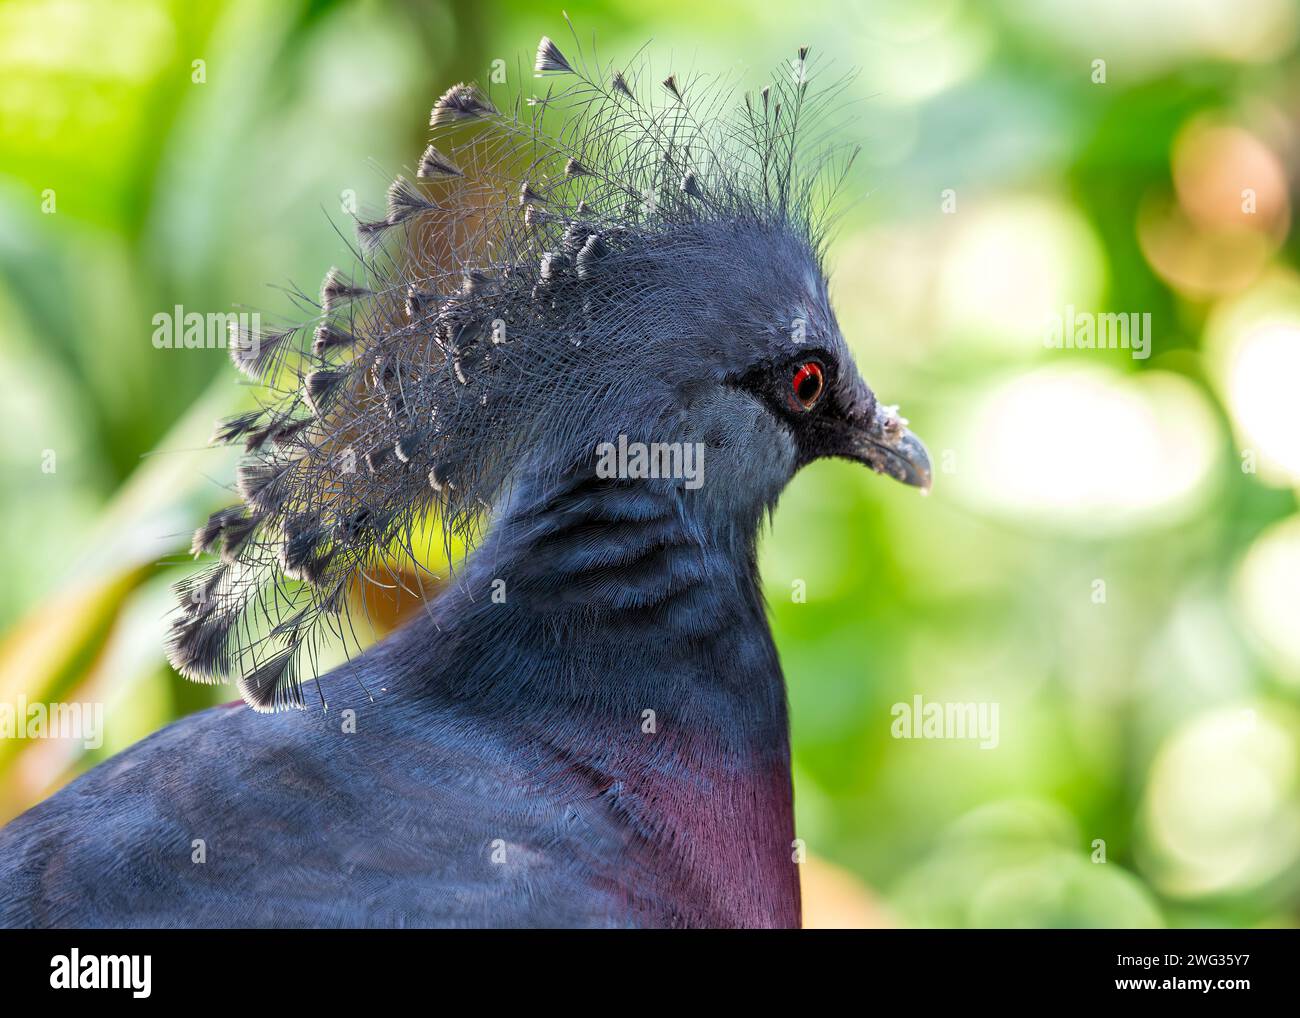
x: 807, y: 385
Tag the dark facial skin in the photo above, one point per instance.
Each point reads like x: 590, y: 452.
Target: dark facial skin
x: 831, y: 412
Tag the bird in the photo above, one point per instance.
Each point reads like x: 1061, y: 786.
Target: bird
x: 591, y: 338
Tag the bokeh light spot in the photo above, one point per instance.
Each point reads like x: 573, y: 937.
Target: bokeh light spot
x: 1221, y: 809
x: 1086, y: 449
x: 1267, y: 594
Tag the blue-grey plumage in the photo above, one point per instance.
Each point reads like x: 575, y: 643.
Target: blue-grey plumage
x: 588, y: 726
x: 502, y: 774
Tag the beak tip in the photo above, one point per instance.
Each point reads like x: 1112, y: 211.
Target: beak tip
x: 909, y: 461
x: 889, y: 448
x: 911, y: 468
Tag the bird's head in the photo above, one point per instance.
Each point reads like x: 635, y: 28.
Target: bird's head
x: 734, y: 351
x: 609, y: 278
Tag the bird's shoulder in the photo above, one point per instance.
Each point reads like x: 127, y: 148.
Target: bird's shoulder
x: 347, y: 817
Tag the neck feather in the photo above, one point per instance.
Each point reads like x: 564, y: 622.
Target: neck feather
x: 609, y: 598
x: 630, y: 646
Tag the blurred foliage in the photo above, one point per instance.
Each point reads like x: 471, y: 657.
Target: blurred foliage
x: 1147, y: 770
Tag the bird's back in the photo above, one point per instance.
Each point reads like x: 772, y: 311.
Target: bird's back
x: 227, y: 818
x: 395, y: 808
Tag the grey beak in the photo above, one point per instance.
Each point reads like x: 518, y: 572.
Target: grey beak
x: 889, y: 448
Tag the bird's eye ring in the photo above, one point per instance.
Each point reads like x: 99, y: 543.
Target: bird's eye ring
x: 807, y: 384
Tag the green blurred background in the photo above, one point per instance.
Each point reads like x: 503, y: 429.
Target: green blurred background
x: 1112, y: 550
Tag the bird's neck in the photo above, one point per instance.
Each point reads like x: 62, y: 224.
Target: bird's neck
x: 618, y: 600
x: 606, y: 624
